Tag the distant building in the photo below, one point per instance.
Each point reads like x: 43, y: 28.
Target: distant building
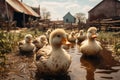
x: 105, y: 9
x: 14, y: 10
x: 68, y: 18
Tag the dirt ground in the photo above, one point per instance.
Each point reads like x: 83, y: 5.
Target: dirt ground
x: 18, y: 67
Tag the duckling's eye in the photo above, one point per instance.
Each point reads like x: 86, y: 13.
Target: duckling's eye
x: 58, y: 35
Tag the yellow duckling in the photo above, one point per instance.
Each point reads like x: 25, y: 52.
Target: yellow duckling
x: 40, y: 42
x: 48, y: 34
x: 58, y: 62
x: 90, y: 46
x: 43, y: 40
x: 26, y: 46
x: 72, y: 37
x: 81, y: 36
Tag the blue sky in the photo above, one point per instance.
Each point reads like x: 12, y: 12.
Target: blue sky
x: 58, y: 8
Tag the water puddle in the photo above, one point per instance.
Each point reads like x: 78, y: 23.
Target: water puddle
x: 103, y: 67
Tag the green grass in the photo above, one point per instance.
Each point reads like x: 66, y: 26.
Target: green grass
x: 9, y: 42
x: 110, y: 38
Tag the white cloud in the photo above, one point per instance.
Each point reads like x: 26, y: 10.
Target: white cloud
x: 52, y: 8
x: 33, y: 3
x: 50, y: 4
x: 93, y: 0
x: 59, y: 9
x: 72, y: 6
x: 85, y: 10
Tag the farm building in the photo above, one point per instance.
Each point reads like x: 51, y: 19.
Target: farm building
x: 106, y: 12
x: 69, y: 18
x: 14, y: 10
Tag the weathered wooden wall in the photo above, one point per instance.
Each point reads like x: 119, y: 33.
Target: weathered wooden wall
x: 6, y: 11
x: 105, y: 9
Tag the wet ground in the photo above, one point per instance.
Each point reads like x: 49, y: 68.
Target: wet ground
x: 103, y: 67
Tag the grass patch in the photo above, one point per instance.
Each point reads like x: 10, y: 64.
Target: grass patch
x: 9, y: 42
x: 110, y: 38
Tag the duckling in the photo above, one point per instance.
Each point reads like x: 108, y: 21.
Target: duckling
x: 67, y: 45
x: 40, y: 42
x: 72, y: 37
x: 48, y: 34
x: 90, y: 46
x: 81, y: 36
x: 43, y: 40
x: 58, y: 62
x: 26, y: 46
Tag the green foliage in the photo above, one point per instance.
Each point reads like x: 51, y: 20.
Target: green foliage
x: 111, y: 38
x: 5, y: 43
x: 117, y: 48
x: 9, y: 40
x: 106, y: 37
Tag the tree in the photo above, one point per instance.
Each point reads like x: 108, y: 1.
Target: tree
x: 80, y: 17
x: 80, y: 20
x: 45, y: 14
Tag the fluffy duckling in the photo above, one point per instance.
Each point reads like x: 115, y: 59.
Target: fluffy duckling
x: 26, y: 46
x: 90, y: 46
x: 48, y: 34
x: 68, y: 45
x: 72, y: 37
x: 59, y: 60
x: 43, y: 40
x: 40, y: 42
x: 81, y: 36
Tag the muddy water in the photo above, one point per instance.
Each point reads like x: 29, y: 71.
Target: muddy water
x: 103, y: 67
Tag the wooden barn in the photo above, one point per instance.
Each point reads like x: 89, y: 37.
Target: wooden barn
x: 14, y: 10
x: 106, y: 12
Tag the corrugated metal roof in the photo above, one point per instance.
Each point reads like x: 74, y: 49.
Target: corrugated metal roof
x: 31, y: 10
x: 21, y: 7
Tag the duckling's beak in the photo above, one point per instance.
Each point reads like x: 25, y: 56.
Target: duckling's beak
x: 65, y: 41
x: 94, y: 36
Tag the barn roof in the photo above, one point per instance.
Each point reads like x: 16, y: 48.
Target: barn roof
x: 31, y: 10
x: 95, y: 6
x: 21, y: 7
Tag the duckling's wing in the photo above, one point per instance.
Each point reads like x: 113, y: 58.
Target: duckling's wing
x: 83, y: 42
x: 45, y: 51
x: 42, y: 65
x: 20, y: 44
x: 42, y: 61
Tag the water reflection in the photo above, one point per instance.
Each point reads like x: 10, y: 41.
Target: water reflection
x: 93, y: 68
x: 102, y: 64
x: 62, y: 77
x: 90, y: 65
